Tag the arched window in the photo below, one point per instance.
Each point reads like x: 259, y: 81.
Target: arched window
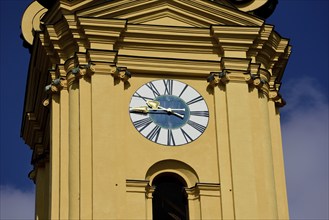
x: 169, y: 198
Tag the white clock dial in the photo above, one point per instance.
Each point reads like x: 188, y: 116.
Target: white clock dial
x: 169, y: 112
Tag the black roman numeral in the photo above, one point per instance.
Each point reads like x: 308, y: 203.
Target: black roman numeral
x: 154, y: 133
x: 197, y: 99
x: 170, y: 138
x: 200, y: 113
x: 152, y: 87
x: 142, y: 123
x: 183, y: 91
x: 142, y: 97
x: 186, y: 136
x: 168, y: 86
x: 197, y: 126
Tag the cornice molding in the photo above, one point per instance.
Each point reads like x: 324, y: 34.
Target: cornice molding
x: 200, y: 13
x: 137, y: 186
x: 77, y: 34
x: 232, y: 38
x: 151, y: 65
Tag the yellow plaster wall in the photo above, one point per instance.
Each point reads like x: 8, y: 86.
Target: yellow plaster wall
x: 100, y: 167
x: 235, y: 151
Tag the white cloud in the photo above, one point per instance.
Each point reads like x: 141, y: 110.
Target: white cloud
x: 16, y: 204
x: 305, y: 140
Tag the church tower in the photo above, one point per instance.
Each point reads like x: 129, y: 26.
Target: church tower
x: 155, y: 109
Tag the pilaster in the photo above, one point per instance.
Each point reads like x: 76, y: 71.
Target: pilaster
x: 55, y: 159
x: 64, y: 154
x: 149, y: 196
x: 209, y: 196
x: 240, y: 76
x: 262, y: 151
x: 86, y: 147
x: 278, y: 161
x: 223, y: 153
x: 194, y: 204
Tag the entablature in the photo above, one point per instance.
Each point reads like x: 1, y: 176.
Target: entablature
x: 113, y: 26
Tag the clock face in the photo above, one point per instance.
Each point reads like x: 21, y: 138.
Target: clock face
x: 168, y: 112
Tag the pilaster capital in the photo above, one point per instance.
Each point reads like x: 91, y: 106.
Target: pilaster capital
x: 208, y: 189
x: 275, y: 96
x: 149, y: 191
x: 233, y: 70
x: 260, y: 80
x: 237, y: 68
x: 121, y: 73
x: 58, y: 80
x: 202, y: 189
x: 192, y: 193
x: 241, y: 71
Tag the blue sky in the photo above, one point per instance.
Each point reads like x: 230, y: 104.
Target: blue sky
x: 304, y: 118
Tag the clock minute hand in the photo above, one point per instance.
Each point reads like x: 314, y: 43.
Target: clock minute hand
x: 170, y: 110
x: 145, y: 109
x: 156, y: 105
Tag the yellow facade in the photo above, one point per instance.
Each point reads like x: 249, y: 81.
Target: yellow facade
x: 89, y: 160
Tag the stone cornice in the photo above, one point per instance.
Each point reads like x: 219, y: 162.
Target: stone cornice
x: 201, y: 12
x: 270, y: 50
x: 151, y: 65
x: 100, y: 33
x: 61, y: 37
x: 77, y: 34
x: 137, y: 186
x: 168, y: 36
x: 232, y: 38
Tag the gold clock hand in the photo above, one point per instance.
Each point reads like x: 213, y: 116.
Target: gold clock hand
x: 152, y: 104
x: 171, y: 111
x: 141, y: 109
x: 145, y: 109
x: 156, y: 105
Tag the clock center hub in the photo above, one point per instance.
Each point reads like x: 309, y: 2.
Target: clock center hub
x: 167, y: 118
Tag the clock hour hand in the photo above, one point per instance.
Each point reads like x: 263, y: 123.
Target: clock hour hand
x: 145, y: 109
x: 156, y: 105
x: 141, y: 109
x: 169, y: 110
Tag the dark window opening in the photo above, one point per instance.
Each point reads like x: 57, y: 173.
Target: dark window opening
x: 169, y: 198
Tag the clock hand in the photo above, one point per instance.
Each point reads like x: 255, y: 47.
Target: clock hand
x: 141, y: 109
x: 153, y: 104
x: 170, y: 110
x: 156, y: 105
x: 145, y: 109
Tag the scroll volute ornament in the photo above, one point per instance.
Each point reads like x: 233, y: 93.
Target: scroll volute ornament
x: 31, y: 21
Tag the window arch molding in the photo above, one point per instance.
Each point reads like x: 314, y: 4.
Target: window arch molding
x: 182, y: 169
